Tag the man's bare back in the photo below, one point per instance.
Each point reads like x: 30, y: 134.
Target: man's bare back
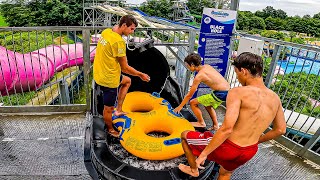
x: 258, y: 108
x: 212, y: 78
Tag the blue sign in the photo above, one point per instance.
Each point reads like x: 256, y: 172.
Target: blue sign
x: 214, y: 40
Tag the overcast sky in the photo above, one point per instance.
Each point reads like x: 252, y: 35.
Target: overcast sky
x: 291, y: 7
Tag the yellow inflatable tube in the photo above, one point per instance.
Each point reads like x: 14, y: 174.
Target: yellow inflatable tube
x: 148, y: 113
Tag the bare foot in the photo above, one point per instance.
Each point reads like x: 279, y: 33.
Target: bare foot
x: 119, y: 113
x: 188, y: 170
x: 113, y: 133
x: 197, y: 124
x: 215, y: 128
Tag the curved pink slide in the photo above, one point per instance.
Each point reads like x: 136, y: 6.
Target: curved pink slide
x: 21, y: 72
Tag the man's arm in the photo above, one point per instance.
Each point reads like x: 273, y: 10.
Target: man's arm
x: 233, y: 108
x: 279, y: 126
x: 126, y: 68
x: 195, y: 84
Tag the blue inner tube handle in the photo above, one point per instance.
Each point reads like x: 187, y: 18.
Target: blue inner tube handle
x: 156, y: 94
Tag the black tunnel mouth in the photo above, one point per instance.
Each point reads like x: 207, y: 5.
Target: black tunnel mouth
x: 151, y: 62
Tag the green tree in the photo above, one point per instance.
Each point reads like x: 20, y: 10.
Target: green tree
x: 260, y: 14
x: 248, y: 13
x: 42, y: 13
x: 292, y: 23
x: 196, y: 6
x: 266, y: 12
x: 256, y: 23
x: 300, y: 25
x: 255, y: 31
x: 298, y: 40
x: 273, y: 34
x: 57, y: 13
x: 298, y: 87
x: 270, y: 11
x: 313, y: 26
x: 292, y: 35
x: 281, y: 14
x: 307, y: 16
x: 317, y: 16
x: 18, y: 16
x: 160, y: 8
x: 274, y: 23
x: 49, y: 13
x: 242, y: 21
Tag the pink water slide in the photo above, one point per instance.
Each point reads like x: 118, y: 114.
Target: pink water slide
x: 24, y: 72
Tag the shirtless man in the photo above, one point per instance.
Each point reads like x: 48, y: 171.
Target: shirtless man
x: 250, y: 110
x: 212, y: 78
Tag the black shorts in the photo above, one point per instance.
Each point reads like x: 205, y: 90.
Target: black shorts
x: 110, y: 95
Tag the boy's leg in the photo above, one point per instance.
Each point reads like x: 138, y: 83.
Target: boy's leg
x: 224, y: 174
x: 192, y: 169
x: 124, y: 86
x: 213, y: 115
x: 109, y: 99
x: 194, y: 103
x: 107, y: 117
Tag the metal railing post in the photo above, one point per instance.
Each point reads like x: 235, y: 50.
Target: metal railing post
x: 86, y: 64
x: 192, y: 39
x: 234, y: 6
x: 315, y: 138
x: 64, y: 91
x: 273, y: 64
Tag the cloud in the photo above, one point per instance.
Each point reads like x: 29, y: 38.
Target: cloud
x: 135, y: 1
x: 291, y: 7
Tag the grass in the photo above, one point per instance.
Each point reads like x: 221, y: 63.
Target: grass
x: 81, y: 99
x: 17, y: 99
x: 3, y: 21
x: 48, y: 94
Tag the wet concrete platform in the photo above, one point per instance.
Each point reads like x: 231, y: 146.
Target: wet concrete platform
x: 42, y: 147
x: 50, y: 146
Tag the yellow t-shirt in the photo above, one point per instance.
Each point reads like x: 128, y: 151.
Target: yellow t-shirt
x: 106, y: 68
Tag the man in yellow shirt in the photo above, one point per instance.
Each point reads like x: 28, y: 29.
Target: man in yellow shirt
x: 110, y: 60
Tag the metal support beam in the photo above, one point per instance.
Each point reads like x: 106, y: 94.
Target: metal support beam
x: 175, y: 54
x: 86, y: 64
x: 235, y: 5
x: 315, y: 138
x: 275, y: 57
x: 192, y: 39
x: 64, y: 92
